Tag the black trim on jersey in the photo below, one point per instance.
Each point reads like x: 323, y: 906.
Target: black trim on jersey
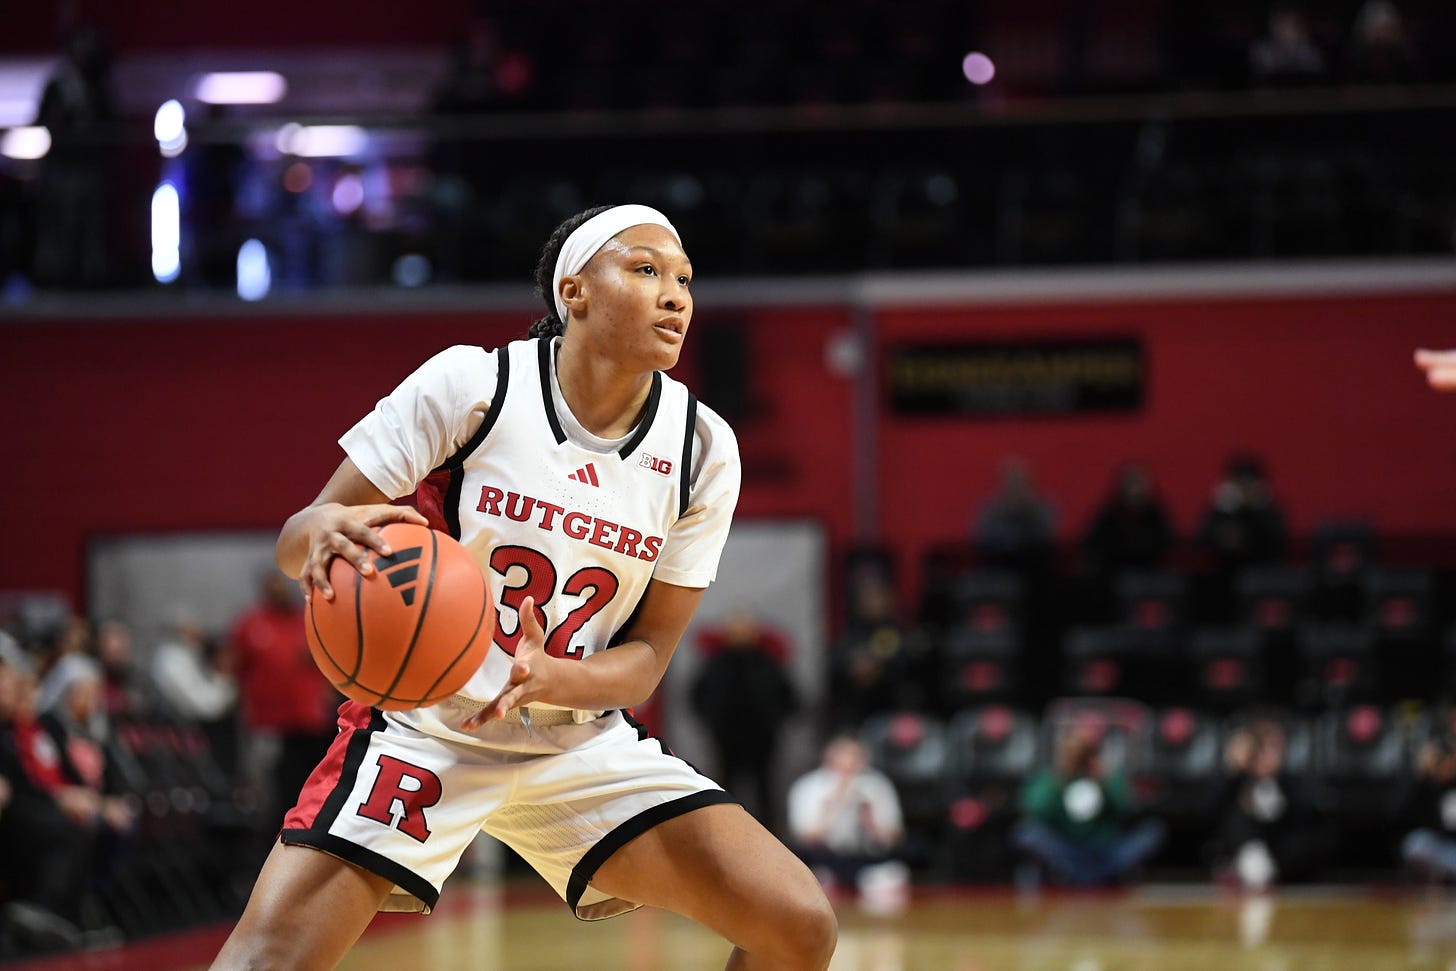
x: 686, y: 469
x: 456, y: 462
x: 654, y: 397
x: 403, y: 877
x: 587, y: 866
x: 543, y: 354
x: 644, y: 735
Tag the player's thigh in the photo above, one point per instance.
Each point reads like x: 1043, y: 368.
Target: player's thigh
x: 720, y: 867
x: 306, y: 910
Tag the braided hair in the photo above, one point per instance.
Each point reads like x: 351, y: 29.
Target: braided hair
x: 552, y: 325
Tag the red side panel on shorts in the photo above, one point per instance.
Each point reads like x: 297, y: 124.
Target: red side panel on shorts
x: 353, y: 717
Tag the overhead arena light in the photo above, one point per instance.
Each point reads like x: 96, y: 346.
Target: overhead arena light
x: 322, y: 141
x: 241, y: 88
x: 26, y: 143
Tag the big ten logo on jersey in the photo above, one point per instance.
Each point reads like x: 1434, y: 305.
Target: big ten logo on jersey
x: 400, y: 795
x: 660, y: 466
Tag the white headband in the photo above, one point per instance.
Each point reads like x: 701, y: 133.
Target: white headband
x: 592, y: 235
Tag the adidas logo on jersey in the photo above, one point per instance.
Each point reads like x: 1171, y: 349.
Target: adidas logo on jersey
x: 402, y: 569
x: 587, y: 474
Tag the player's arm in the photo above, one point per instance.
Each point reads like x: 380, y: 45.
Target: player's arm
x: 342, y: 522
x: 618, y: 678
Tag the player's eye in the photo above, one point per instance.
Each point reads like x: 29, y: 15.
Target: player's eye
x: 684, y: 281
x: 649, y: 269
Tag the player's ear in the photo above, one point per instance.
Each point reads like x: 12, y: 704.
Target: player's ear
x: 573, y: 292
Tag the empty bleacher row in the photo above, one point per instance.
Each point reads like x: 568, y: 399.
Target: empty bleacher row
x: 959, y: 777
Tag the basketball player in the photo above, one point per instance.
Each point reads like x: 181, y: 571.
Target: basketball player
x: 596, y: 494
x: 1440, y: 368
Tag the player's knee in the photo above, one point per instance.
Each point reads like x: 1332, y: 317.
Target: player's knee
x: 810, y: 932
x: 257, y: 952
x: 817, y: 932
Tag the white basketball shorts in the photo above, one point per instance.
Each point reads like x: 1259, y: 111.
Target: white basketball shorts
x: 404, y: 804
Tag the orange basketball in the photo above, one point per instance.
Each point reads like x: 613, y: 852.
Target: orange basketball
x: 412, y: 632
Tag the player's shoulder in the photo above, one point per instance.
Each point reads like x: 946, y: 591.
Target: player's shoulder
x: 715, y: 433
x: 712, y: 430
x: 461, y: 369
x: 460, y: 358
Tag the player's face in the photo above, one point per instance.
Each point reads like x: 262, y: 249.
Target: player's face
x: 639, y: 302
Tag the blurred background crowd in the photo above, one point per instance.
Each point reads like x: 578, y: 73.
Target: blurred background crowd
x: 1245, y: 677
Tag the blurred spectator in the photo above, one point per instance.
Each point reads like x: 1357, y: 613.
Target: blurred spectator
x: 876, y: 664
x: 743, y: 697
x: 1131, y: 530
x: 1243, y: 524
x: 1429, y: 814
x: 43, y: 856
x: 1267, y: 830
x: 845, y: 822
x: 71, y: 701
x: 65, y: 755
x: 285, y: 701
x: 122, y: 694
x: 1380, y: 50
x: 1079, y: 818
x: 77, y: 107
x: 71, y: 636
x: 1286, y: 54
x: 484, y: 75
x: 1016, y: 526
x: 195, y: 685
x: 216, y: 167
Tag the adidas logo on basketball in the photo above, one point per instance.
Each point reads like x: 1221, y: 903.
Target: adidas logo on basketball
x: 402, y: 569
x: 587, y: 475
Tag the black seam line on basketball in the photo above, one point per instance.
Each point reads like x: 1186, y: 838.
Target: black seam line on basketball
x: 544, y: 356
x: 358, y: 627
x: 366, y: 859
x: 592, y: 860
x: 318, y: 638
x: 686, y: 471
x: 419, y: 623
x: 654, y: 398
x: 349, y: 772
x: 473, y: 635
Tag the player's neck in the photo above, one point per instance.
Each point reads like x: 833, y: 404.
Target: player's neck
x: 604, y: 398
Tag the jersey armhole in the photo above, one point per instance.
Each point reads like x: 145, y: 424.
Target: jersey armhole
x: 449, y: 477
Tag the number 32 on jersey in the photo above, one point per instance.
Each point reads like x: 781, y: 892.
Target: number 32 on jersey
x: 537, y: 579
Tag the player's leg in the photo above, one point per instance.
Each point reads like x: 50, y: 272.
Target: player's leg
x: 718, y: 866
x: 306, y: 910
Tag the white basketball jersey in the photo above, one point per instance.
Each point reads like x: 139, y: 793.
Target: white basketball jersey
x: 578, y: 526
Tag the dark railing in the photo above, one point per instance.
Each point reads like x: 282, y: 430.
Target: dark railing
x: 776, y: 191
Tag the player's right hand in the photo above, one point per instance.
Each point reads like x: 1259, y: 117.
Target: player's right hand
x: 351, y: 533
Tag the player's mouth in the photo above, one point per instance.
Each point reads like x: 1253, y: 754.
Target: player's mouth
x: 671, y: 326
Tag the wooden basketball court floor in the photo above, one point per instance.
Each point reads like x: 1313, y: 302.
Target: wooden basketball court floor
x: 486, y: 927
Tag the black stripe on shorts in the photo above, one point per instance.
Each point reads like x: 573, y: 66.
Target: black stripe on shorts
x: 587, y: 866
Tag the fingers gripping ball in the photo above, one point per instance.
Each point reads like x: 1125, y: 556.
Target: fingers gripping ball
x: 412, y: 632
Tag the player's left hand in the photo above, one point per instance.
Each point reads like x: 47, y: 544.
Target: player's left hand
x: 526, y: 681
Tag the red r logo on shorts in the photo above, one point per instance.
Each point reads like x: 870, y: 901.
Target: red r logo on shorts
x: 389, y: 786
